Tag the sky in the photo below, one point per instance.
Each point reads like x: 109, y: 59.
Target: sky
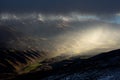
x: 75, y: 27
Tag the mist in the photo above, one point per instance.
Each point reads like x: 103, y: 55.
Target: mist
x: 69, y: 34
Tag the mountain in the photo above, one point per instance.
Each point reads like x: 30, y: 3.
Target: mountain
x: 7, y: 33
x: 105, y: 66
x: 14, y: 62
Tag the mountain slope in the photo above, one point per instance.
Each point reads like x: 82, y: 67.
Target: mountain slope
x: 104, y: 66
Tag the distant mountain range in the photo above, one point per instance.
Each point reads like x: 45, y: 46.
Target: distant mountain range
x: 7, y: 34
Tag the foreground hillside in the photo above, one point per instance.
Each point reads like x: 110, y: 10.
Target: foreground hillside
x: 104, y: 66
x: 14, y: 62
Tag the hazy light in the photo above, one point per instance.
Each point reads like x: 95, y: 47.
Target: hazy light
x: 68, y: 41
x: 95, y: 38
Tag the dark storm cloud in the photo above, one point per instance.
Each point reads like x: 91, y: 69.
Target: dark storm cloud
x: 62, y: 6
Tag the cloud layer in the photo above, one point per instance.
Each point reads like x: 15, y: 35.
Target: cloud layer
x: 63, y: 26
x: 61, y: 34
